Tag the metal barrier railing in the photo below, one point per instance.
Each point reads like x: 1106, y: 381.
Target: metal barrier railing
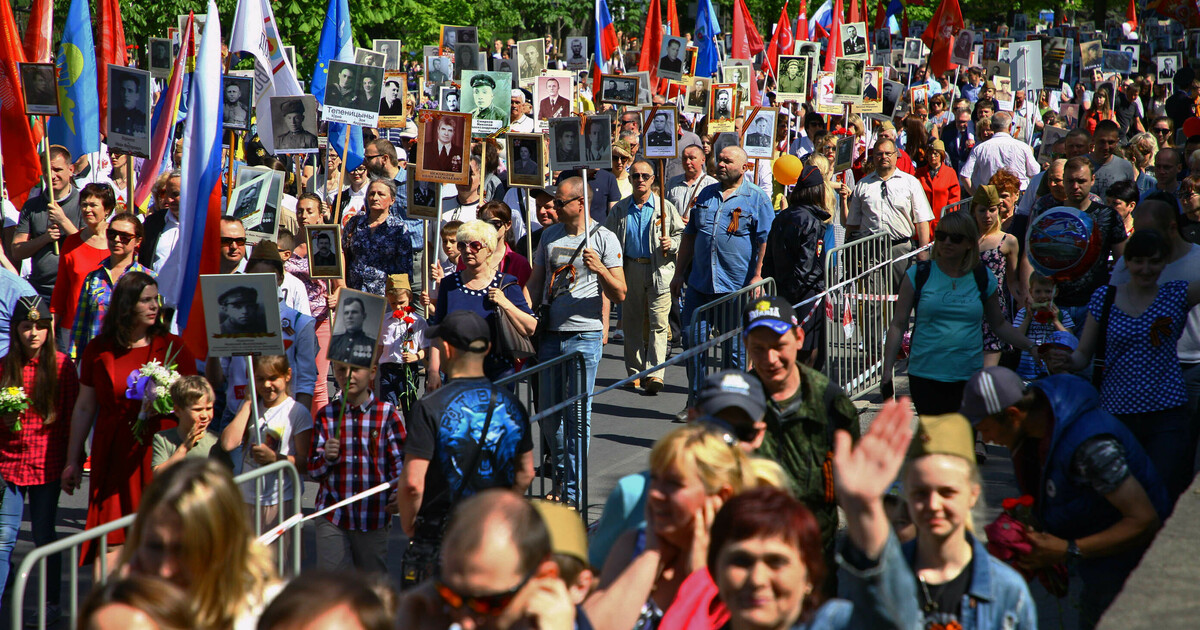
x: 547, y: 385
x: 719, y: 316
x: 862, y: 309
x: 71, y: 546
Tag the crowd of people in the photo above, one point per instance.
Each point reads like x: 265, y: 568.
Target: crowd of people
x: 769, y: 506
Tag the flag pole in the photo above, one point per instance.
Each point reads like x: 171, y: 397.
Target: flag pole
x: 337, y: 204
x: 128, y: 181
x: 230, y: 180
x: 46, y: 153
x: 587, y: 212
x: 662, y: 199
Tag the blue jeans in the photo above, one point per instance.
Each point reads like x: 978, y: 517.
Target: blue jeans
x: 43, y: 511
x: 693, y: 300
x: 563, y: 439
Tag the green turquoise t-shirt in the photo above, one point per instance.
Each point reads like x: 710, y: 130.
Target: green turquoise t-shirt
x: 947, y: 339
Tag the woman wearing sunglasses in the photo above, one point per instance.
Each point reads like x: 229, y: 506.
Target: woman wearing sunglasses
x: 504, y: 259
x: 480, y: 287
x: 81, y: 253
x: 123, y: 236
x: 956, y: 297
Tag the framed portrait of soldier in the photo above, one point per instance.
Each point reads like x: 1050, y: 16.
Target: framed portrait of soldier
x: 294, y: 123
x: 527, y: 159
x: 485, y: 96
x: 444, y: 139
x: 1004, y: 93
x: 618, y: 89
x: 161, y: 57
x: 238, y: 93
x: 392, y: 109
x: 854, y: 40
x: 423, y: 197
x: 390, y: 48
x: 1134, y: 51
x: 368, y: 57
x: 759, y: 138
x: 449, y: 99
x: 40, y: 86
x: 265, y: 227
x: 960, y: 52
x: 848, y: 80
x: 722, y: 107
x: 740, y: 72
x: 128, y: 110
x: 1117, y: 61
x: 670, y: 60
x: 696, y: 95
x: 892, y: 92
x: 1091, y: 54
x: 566, y: 143
x: 658, y: 132
x: 597, y: 141
x: 353, y: 93
x: 551, y: 97
x: 808, y: 49
x: 872, y: 94
x: 324, y: 250
x: 248, y: 200
x: 843, y: 154
x: 1166, y: 66
x: 356, y: 326
x: 241, y: 312
x: 577, y: 53
x: 439, y: 70
x: 643, y: 88
x: 531, y: 58
x: 913, y: 49
x: 793, y: 80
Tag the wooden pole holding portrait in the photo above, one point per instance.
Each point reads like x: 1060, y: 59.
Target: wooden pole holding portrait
x: 662, y: 194
x: 587, y: 212
x: 229, y: 164
x: 128, y: 182
x: 46, y: 154
x: 337, y: 205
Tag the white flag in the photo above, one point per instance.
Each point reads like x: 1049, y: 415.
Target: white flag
x: 255, y: 32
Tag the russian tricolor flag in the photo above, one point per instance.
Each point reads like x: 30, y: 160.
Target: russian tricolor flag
x: 166, y: 114
x: 200, y: 200
x: 606, y: 41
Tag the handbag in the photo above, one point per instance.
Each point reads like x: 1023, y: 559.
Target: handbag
x: 510, y: 342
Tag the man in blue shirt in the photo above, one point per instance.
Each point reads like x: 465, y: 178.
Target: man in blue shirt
x: 722, y: 250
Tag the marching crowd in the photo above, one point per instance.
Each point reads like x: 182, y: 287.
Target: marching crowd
x: 769, y: 506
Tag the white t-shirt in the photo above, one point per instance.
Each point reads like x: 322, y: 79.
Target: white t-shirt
x: 285, y: 420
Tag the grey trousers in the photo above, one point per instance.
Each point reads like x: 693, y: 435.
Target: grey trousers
x: 341, y: 550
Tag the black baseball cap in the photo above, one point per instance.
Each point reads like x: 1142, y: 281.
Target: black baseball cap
x: 732, y: 388
x: 771, y: 311
x: 464, y: 330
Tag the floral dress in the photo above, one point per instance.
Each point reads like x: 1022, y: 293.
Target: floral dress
x: 994, y: 259
x: 376, y: 252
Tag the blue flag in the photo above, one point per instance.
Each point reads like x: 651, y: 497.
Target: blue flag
x: 77, y: 127
x: 337, y: 44
x: 706, y: 50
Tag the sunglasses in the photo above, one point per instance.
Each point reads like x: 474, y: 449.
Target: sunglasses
x: 1161, y: 130
x: 119, y: 236
x: 637, y: 177
x: 226, y: 241
x: 489, y: 605
x: 496, y: 223
x: 472, y: 247
x: 559, y: 204
x: 957, y: 239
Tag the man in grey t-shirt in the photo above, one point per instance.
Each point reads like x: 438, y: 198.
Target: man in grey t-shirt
x: 45, y: 220
x: 1106, y: 167
x: 578, y: 293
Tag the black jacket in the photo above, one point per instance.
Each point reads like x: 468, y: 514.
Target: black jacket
x: 795, y: 254
x: 153, y: 226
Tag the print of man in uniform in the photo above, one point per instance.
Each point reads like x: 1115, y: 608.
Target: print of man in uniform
x: 240, y: 312
x: 352, y: 345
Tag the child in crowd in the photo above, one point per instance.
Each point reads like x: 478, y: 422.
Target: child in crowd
x: 446, y: 265
x: 1041, y: 327
x: 284, y: 426
x: 402, y: 345
x: 193, y: 398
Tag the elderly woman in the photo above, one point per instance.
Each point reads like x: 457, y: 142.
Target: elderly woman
x: 377, y: 241
x: 82, y: 252
x: 481, y: 287
x: 939, y: 181
x: 505, y: 259
x: 951, y: 296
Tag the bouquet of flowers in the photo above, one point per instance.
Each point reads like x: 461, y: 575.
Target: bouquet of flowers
x: 151, y: 384
x: 1008, y: 541
x: 13, y: 401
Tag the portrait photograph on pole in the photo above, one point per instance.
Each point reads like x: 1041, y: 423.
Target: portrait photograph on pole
x: 241, y: 312
x: 324, y: 250
x: 40, y: 86
x: 294, y: 123
x: 356, y: 327
x: 527, y: 159
x: 129, y: 110
x: 444, y: 139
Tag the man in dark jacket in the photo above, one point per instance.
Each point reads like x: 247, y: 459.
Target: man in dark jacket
x: 795, y: 257
x: 1096, y: 494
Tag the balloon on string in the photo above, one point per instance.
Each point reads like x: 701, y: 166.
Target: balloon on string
x: 787, y: 169
x: 1064, y: 243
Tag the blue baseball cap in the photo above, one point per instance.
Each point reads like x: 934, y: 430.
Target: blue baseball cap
x: 771, y: 311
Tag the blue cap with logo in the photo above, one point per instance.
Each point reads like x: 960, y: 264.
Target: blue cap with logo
x: 771, y: 311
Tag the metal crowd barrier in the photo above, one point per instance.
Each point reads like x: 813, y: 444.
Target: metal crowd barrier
x: 547, y: 385
x: 71, y: 546
x: 860, y: 276
x: 719, y: 316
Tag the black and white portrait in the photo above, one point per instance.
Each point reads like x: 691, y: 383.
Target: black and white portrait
x: 324, y: 250
x: 353, y: 93
x: 531, y: 58
x: 294, y: 123
x: 1116, y: 61
x: 444, y: 138
x: 844, y: 154
x: 356, y: 326
x: 449, y: 99
x: 892, y: 91
x: 854, y: 40
x: 161, y: 57
x: 848, y: 80
x: 670, y: 61
x: 739, y: 73
x: 391, y: 53
x: 241, y: 312
x: 618, y: 90
x: 912, y: 51
x: 248, y: 199
x: 759, y: 139
x: 129, y: 110
x: 423, y: 196
x: 264, y: 225
x: 439, y: 70
x: 808, y: 49
x: 793, y: 79
x: 883, y: 39
x: 566, y: 148
x: 696, y: 100
x: 41, y: 89
x: 1091, y: 55
x: 1167, y: 65
x: 392, y: 110
x: 1134, y: 51
x: 964, y: 41
x: 527, y: 160
x: 597, y: 142
x: 238, y: 94
x: 722, y: 107
x: 659, y: 139
x: 577, y: 53
x: 368, y: 57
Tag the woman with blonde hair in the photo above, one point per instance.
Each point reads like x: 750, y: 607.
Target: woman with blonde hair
x: 1140, y: 152
x: 191, y: 530
x: 998, y: 251
x: 693, y: 471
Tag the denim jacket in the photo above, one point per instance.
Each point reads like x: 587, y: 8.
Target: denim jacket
x: 998, y: 597
x: 879, y: 597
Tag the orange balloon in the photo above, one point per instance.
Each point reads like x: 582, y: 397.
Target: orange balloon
x: 787, y: 169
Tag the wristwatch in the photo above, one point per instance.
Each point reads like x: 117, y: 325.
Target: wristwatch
x: 1073, y: 553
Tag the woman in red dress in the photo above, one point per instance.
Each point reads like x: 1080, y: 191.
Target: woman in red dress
x: 132, y: 335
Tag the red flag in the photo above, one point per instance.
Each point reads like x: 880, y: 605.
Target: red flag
x: 834, y: 49
x: 18, y: 140
x: 1131, y: 15
x: 880, y: 16
x: 37, y: 31
x: 802, y: 22
x: 652, y: 42
x: 672, y: 19
x: 111, y: 49
x: 854, y: 12
x: 939, y: 35
x: 781, y: 42
x: 746, y: 40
